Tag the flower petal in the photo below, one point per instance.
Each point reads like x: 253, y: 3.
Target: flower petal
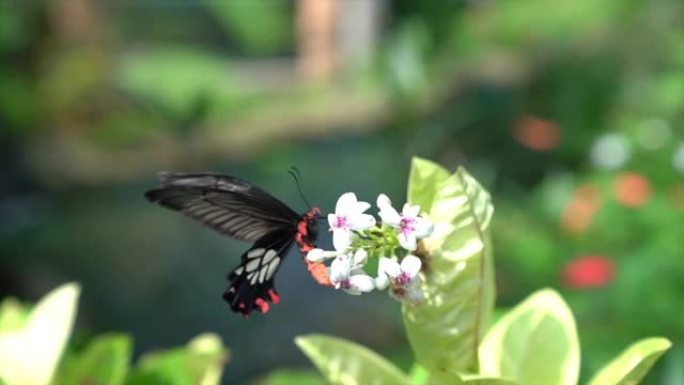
x: 410, y: 211
x: 339, y: 269
x: 318, y: 255
x: 410, y: 265
x: 388, y: 267
x: 383, y: 202
x: 390, y: 216
x: 332, y: 220
x: 362, y: 282
x: 315, y: 255
x: 408, y: 240
x: 360, y: 257
x: 361, y: 221
x: 424, y: 227
x: 341, y: 239
x: 360, y: 207
x: 352, y: 291
x: 381, y: 281
x: 345, y: 203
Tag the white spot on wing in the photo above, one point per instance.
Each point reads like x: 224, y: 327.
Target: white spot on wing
x: 262, y: 275
x: 253, y: 265
x: 269, y: 256
x: 272, y: 268
x: 255, y: 253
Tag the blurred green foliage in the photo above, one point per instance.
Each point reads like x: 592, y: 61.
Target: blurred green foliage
x: 32, y: 353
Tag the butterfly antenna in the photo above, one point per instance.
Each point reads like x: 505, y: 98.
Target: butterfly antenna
x: 294, y: 172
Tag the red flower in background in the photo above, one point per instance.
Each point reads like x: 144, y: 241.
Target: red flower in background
x: 537, y: 134
x: 590, y: 271
x: 632, y: 189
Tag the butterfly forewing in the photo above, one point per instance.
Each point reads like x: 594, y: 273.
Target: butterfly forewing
x: 226, y: 204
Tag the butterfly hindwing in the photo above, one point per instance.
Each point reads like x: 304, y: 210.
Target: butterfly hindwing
x: 250, y: 285
x: 226, y: 204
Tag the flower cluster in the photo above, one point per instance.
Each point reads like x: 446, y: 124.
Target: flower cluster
x: 358, y: 237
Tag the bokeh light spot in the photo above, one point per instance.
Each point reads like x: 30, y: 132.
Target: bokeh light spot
x: 589, y: 271
x: 632, y: 189
x: 537, y: 134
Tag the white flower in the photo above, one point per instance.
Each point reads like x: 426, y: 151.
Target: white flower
x: 348, y: 217
x: 345, y: 274
x: 409, y: 225
x: 319, y: 255
x: 403, y: 279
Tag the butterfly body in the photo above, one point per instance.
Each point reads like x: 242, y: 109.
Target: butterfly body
x: 237, y: 209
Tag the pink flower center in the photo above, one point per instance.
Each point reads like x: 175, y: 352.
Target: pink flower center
x: 407, y: 225
x: 403, y: 279
x: 345, y: 284
x: 340, y: 222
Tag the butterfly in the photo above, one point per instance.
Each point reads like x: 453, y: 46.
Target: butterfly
x: 237, y: 209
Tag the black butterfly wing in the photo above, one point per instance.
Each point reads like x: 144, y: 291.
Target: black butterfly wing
x: 250, y: 285
x: 224, y: 203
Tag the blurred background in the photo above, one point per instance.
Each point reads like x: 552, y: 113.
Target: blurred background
x: 570, y: 112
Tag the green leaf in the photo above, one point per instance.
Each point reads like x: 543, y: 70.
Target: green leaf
x: 13, y: 315
x: 293, y: 377
x: 105, y: 361
x: 425, y: 178
x: 446, y: 377
x: 535, y: 343
x: 346, y: 363
x: 632, y: 365
x: 419, y: 375
x: 484, y: 380
x: 29, y: 356
x: 200, y: 363
x: 445, y: 330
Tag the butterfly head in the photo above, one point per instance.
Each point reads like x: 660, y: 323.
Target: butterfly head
x: 307, y: 231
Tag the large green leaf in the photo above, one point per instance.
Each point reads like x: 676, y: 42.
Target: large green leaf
x: 346, y: 363
x: 293, y: 377
x: 632, y: 365
x: 105, y: 361
x: 535, y: 343
x: 199, y: 363
x: 29, y: 355
x: 13, y: 315
x: 424, y: 181
x: 445, y: 330
x: 484, y: 380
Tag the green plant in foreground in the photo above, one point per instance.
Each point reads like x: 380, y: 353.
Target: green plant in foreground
x: 534, y: 343
x: 32, y: 344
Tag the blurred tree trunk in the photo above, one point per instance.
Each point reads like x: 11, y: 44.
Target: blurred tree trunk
x: 358, y: 30
x: 336, y: 33
x: 315, y: 22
